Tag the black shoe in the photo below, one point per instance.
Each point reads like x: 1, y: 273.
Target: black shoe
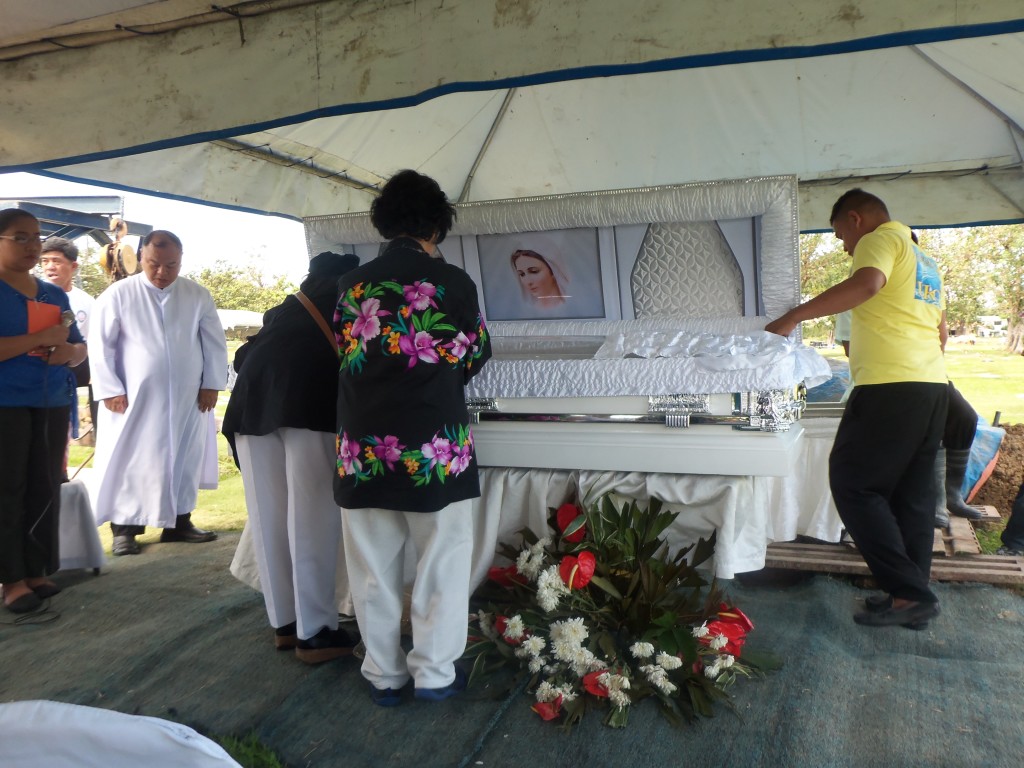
x: 27, y: 602
x: 454, y: 688
x: 1010, y: 551
x: 878, y: 603
x: 45, y: 590
x: 325, y: 645
x: 285, y: 638
x: 125, y: 545
x: 386, y: 697
x: 189, y: 535
x: 913, y: 616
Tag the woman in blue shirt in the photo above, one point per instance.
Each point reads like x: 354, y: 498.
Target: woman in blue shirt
x: 36, y: 391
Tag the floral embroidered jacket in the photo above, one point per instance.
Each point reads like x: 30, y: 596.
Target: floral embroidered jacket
x: 411, y: 335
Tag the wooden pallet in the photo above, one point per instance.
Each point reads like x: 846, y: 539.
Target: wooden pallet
x: 843, y: 558
x: 958, y: 539
x: 989, y: 514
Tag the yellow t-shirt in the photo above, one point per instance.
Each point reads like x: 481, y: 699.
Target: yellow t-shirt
x: 895, y: 334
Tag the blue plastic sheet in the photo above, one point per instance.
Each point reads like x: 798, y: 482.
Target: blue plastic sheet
x: 984, y: 448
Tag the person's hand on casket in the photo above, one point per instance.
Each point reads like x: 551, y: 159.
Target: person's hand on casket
x: 783, y: 326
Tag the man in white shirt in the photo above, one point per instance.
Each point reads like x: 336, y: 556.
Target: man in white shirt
x: 59, y: 265
x: 159, y: 358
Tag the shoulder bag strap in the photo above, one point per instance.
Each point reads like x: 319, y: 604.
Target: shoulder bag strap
x: 319, y: 321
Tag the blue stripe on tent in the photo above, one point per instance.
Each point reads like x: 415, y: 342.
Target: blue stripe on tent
x: 162, y: 195
x: 895, y: 39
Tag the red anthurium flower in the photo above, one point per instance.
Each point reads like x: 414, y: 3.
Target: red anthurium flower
x: 564, y: 516
x: 548, y: 710
x: 577, y: 570
x: 593, y: 685
x: 734, y: 633
x: 734, y: 615
x: 506, y: 577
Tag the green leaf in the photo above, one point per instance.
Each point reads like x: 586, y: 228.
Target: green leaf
x: 606, y: 585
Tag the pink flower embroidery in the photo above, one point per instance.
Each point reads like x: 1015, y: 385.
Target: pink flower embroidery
x: 367, y: 323
x: 388, y: 450
x: 418, y: 347
x: 438, y: 450
x: 460, y: 344
x: 420, y: 295
x: 461, y: 457
x: 348, y: 454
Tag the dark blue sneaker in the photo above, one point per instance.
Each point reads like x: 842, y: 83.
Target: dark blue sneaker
x: 385, y: 697
x: 457, y: 686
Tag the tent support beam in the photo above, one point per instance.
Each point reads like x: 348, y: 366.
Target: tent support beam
x: 1016, y: 130
x: 305, y: 165
x: 509, y: 94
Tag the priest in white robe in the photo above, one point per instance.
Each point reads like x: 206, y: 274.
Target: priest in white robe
x: 159, y: 358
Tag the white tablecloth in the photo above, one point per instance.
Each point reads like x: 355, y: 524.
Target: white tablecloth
x: 748, y: 512
x: 80, y: 545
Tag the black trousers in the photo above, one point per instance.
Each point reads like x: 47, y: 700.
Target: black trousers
x: 31, y: 469
x: 961, y: 422
x: 881, y: 472
x: 180, y: 522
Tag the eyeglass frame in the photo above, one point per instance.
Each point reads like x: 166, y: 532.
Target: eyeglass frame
x: 25, y: 239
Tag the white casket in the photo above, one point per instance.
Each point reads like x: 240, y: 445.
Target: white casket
x: 644, y: 371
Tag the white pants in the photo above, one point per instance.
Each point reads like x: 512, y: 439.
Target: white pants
x: 295, y: 523
x: 375, y: 542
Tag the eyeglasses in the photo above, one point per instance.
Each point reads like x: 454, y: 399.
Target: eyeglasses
x: 24, y: 239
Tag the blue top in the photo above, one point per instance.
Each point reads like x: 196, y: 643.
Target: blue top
x: 27, y: 381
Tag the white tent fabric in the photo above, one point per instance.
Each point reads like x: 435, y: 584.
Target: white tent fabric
x: 303, y: 109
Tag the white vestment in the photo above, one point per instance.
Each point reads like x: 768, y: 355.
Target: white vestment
x: 158, y: 347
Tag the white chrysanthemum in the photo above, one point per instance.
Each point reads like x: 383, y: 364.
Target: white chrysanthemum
x: 573, y: 631
x: 562, y: 649
x: 618, y: 698
x: 550, y: 589
x: 718, y: 642
x: 514, y: 628
x: 534, y: 645
x: 547, y: 692
x: 701, y: 631
x: 658, y: 677
x: 547, y: 599
x: 486, y: 622
x: 666, y: 686
x: 528, y: 565
x: 711, y: 671
x: 537, y: 663
x: 726, y: 660
x: 668, y: 661
x: 567, y: 692
x: 642, y: 650
x: 583, y: 661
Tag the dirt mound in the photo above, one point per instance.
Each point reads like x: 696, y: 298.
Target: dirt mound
x: 1001, y: 488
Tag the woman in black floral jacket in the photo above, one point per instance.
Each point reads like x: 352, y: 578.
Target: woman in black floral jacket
x: 411, y: 335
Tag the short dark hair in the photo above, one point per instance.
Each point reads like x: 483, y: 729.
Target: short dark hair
x: 10, y: 215
x: 856, y: 200
x: 61, y: 245
x: 170, y: 235
x: 412, y: 204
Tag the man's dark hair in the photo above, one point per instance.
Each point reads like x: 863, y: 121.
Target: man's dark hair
x: 857, y: 200
x: 61, y: 245
x: 412, y: 204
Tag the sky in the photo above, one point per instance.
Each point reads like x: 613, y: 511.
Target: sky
x: 275, y: 245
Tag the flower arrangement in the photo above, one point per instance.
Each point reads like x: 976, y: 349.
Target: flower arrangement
x: 602, y: 614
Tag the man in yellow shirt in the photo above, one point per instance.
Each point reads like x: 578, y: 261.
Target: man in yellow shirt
x: 881, y: 465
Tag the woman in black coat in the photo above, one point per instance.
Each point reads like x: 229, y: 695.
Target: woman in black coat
x: 280, y: 422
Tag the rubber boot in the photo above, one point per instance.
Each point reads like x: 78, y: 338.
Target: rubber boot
x: 956, y: 468
x: 941, y: 516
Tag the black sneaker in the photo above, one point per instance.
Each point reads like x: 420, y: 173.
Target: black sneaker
x: 325, y: 645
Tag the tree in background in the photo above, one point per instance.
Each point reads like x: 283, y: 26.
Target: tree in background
x: 1002, y: 247
x: 823, y: 263
x: 94, y: 279
x: 246, y: 287
x: 967, y: 280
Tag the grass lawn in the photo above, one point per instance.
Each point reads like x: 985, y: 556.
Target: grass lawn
x: 986, y: 374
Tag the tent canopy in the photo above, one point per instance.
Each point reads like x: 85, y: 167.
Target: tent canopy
x: 302, y: 108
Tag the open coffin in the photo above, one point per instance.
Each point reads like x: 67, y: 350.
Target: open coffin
x: 650, y: 375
